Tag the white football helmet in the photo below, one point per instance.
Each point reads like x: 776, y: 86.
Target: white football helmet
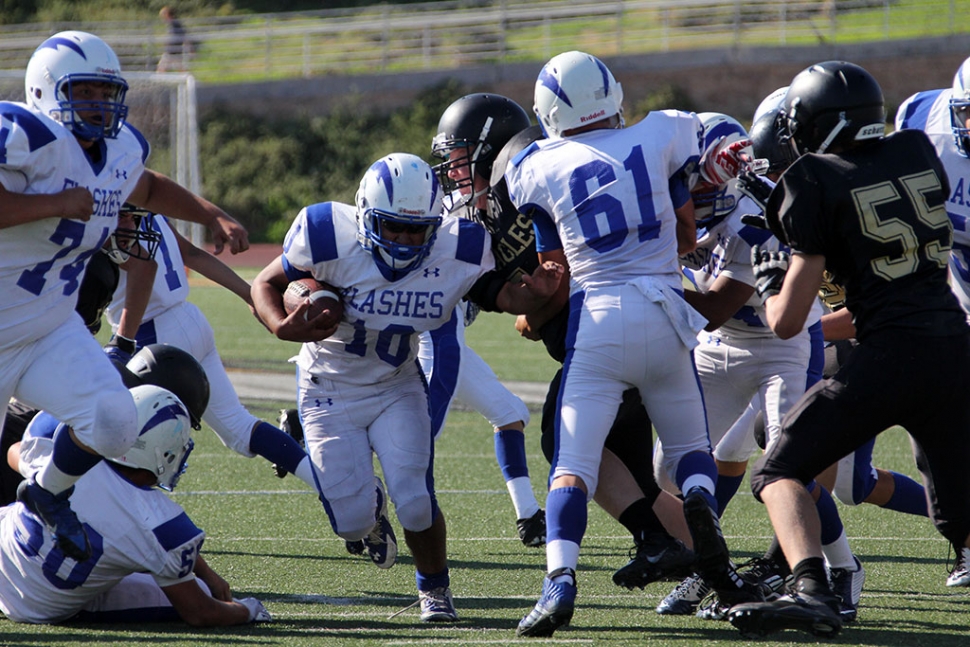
x: 164, y: 435
x: 76, y: 57
x: 575, y: 89
x: 399, y: 193
x: 712, y: 200
x: 960, y: 108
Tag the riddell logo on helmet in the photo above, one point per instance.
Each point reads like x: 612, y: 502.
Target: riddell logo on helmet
x: 596, y: 116
x: 412, y: 212
x: 108, y: 70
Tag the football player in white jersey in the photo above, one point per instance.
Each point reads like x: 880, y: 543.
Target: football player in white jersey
x: 68, y: 162
x: 145, y: 564
x: 613, y: 204
x: 471, y: 132
x: 739, y: 358
x: 401, y: 268
x: 171, y: 319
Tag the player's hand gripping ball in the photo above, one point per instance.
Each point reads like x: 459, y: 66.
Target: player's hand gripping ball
x: 321, y: 296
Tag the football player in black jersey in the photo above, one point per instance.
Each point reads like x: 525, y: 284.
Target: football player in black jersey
x: 870, y: 209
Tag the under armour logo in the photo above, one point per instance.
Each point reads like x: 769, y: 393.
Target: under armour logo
x: 320, y: 402
x: 431, y: 271
x: 121, y: 174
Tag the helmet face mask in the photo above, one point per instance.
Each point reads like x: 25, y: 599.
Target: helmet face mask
x: 139, y: 241
x: 398, y: 202
x: 832, y: 104
x: 960, y: 109
x: 575, y: 89
x: 471, y: 132
x: 75, y: 78
x: 164, y: 436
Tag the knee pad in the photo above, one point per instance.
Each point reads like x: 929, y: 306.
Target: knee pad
x: 417, y: 514
x: 115, y: 425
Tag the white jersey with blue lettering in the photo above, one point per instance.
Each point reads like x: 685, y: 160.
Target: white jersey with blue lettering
x: 131, y: 529
x: 42, y: 262
x: 171, y: 286
x: 930, y: 112
x: 378, y: 336
x: 607, y: 197
x: 724, y: 249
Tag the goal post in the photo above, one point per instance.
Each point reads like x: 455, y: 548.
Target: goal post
x: 163, y: 108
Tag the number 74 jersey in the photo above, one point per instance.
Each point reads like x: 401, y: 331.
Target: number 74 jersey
x: 607, y: 197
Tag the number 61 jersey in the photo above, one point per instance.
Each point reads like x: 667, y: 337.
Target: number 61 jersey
x: 378, y: 336
x: 42, y: 262
x: 607, y: 197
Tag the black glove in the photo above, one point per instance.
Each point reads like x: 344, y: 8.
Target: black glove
x: 120, y: 348
x: 769, y: 271
x: 755, y: 187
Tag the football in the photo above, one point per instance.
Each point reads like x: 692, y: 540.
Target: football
x: 322, y: 297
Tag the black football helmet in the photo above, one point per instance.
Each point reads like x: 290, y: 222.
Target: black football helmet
x: 832, y: 103
x: 481, y: 124
x: 124, y: 242
x: 175, y: 370
x: 767, y: 136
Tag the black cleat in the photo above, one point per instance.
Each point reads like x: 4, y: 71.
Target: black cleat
x: 532, y: 531
x: 658, y: 556
x: 814, y: 614
x: 290, y: 423
x: 355, y: 547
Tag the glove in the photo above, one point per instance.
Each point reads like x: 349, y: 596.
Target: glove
x: 756, y: 188
x: 769, y: 271
x: 120, y: 348
x: 723, y: 161
x: 257, y: 612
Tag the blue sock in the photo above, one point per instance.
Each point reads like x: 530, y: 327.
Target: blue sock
x: 828, y: 515
x: 276, y: 446
x: 68, y: 457
x: 724, y: 491
x: 510, y: 453
x: 909, y: 496
x: 566, y: 514
x: 434, y: 581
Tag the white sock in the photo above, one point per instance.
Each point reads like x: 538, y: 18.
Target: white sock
x: 523, y: 499
x: 838, y: 554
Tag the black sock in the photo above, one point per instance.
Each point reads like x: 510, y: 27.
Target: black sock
x: 777, y: 556
x: 640, y: 519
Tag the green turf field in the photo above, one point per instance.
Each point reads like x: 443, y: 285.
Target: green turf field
x: 270, y: 538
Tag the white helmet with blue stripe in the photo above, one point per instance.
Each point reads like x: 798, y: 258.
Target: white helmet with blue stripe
x: 575, y: 89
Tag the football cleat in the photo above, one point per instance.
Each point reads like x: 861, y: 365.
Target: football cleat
x: 532, y: 531
x: 554, y: 608
x: 380, y: 542
x: 54, y: 510
x: 847, y: 586
x: 813, y: 613
x: 960, y: 575
x: 437, y: 605
x: 685, y: 597
x: 713, y: 561
x: 657, y: 556
x: 355, y: 547
x: 290, y: 423
x: 767, y: 574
